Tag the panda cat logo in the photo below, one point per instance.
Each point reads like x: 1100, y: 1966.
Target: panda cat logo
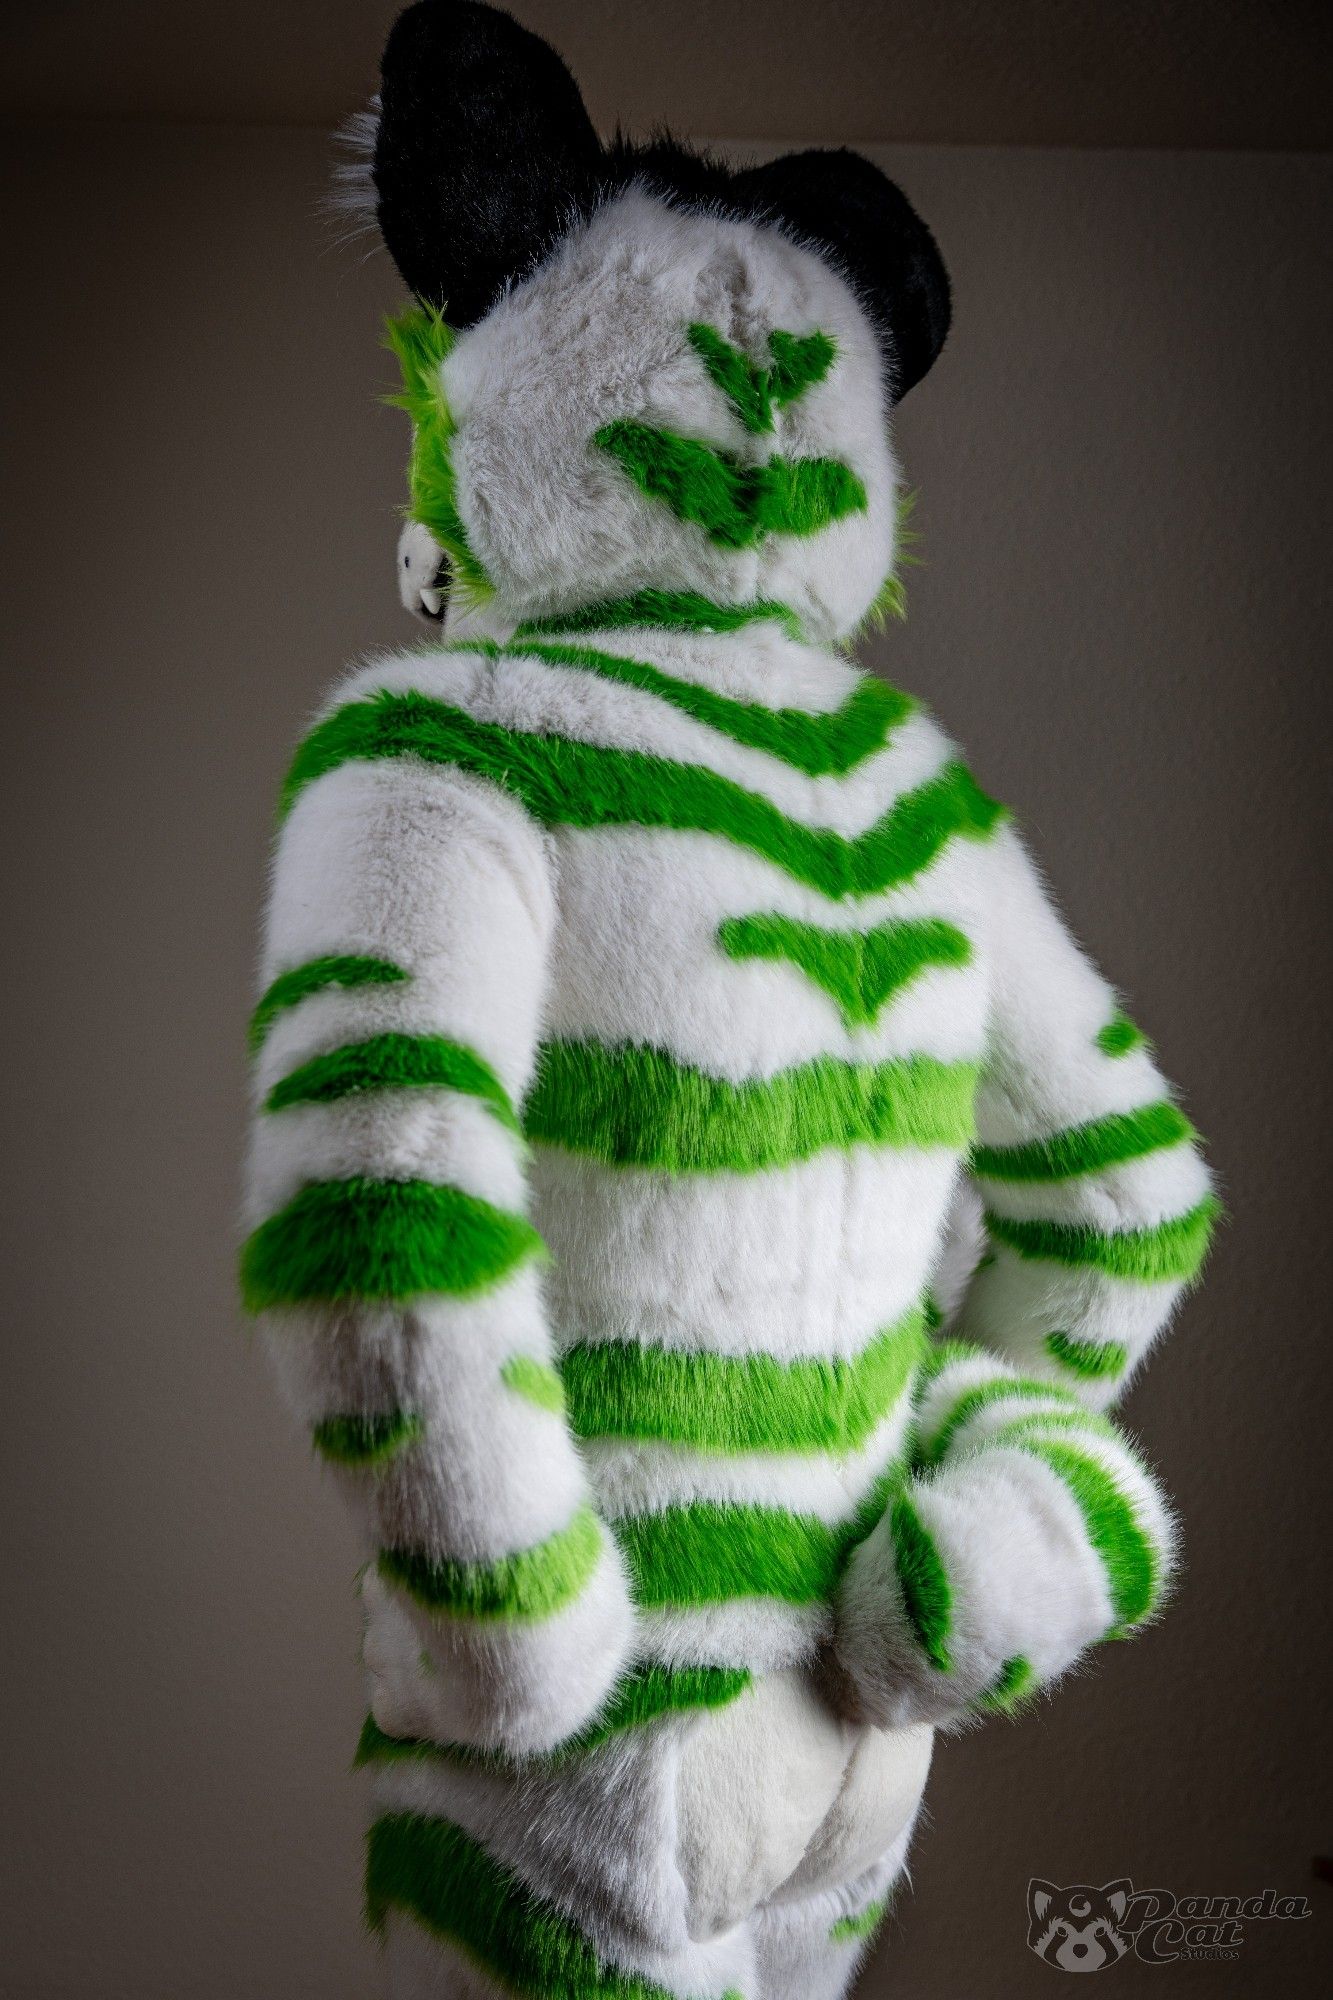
x: 1076, y: 1929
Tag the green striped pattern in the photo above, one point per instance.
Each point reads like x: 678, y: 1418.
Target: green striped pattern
x: 534, y: 1381
x: 650, y: 1693
x: 531, y: 1584
x: 563, y: 782
x: 671, y: 610
x: 289, y: 989
x: 753, y: 389
x: 738, y: 505
x: 646, y: 1695
x: 422, y: 342
x: 640, y: 1107
x: 862, y: 1924
x: 861, y: 971
x: 730, y: 1403
x: 819, y: 743
x: 707, y: 1553
x: 394, y: 1062
x: 1120, y: 1036
x: 984, y: 1396
x: 365, y: 1441
x: 1016, y: 1680
x: 1087, y: 1149
x: 433, y: 1871
x: 369, y: 1239
x: 1128, y: 1556
x: 1169, y: 1251
x: 924, y: 1582
x: 1094, y: 1360
x: 1031, y: 1423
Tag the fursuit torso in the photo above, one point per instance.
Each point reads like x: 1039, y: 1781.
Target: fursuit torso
x: 641, y: 977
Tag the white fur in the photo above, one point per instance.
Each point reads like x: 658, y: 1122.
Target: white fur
x: 1016, y: 1301
x: 512, y: 934
x: 500, y: 1685
x: 797, y: 1954
x: 643, y: 912
x: 660, y: 1846
x: 439, y: 874
x: 1024, y: 1577
x: 802, y: 1260
x: 631, y: 1478
x: 391, y: 1135
x: 599, y: 333
x: 759, y: 1632
x: 1138, y: 1195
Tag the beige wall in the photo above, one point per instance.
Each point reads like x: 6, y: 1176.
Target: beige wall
x: 1122, y: 464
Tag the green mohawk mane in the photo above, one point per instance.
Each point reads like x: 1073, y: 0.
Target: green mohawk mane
x: 422, y: 341
x: 890, y: 600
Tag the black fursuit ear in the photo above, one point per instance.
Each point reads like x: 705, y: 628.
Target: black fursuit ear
x: 484, y: 153
x: 485, y: 157
x: 839, y: 201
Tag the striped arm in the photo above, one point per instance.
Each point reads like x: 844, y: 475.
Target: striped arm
x: 391, y: 1255
x: 1098, y: 1207
x: 1030, y: 1531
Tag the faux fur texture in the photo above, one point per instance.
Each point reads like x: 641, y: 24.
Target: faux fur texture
x: 598, y: 337
x: 619, y: 1877
x: 659, y: 1028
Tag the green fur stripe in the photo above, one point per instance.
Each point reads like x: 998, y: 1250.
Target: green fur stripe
x: 745, y: 386
x: 394, y: 1062
x: 1087, y: 1423
x: 1016, y: 1680
x: 672, y: 610
x: 890, y: 600
x: 731, y: 1403
x: 521, y: 1588
x: 984, y: 1396
x: 1127, y: 1554
x: 799, y: 361
x: 1120, y: 1035
x: 737, y: 505
x: 862, y: 1924
x: 366, y: 1441
x: 820, y: 744
x: 1094, y: 1360
x: 1087, y: 1149
x: 649, y: 1693
x: 1172, y: 1250
x: 433, y: 1871
x: 640, y: 1107
x: 534, y: 1381
x: 644, y: 1696
x: 422, y: 342
x: 924, y: 1582
x: 861, y: 971
x: 709, y: 1553
x: 567, y: 783
x: 376, y: 1746
x: 346, y: 969
x: 368, y: 1239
